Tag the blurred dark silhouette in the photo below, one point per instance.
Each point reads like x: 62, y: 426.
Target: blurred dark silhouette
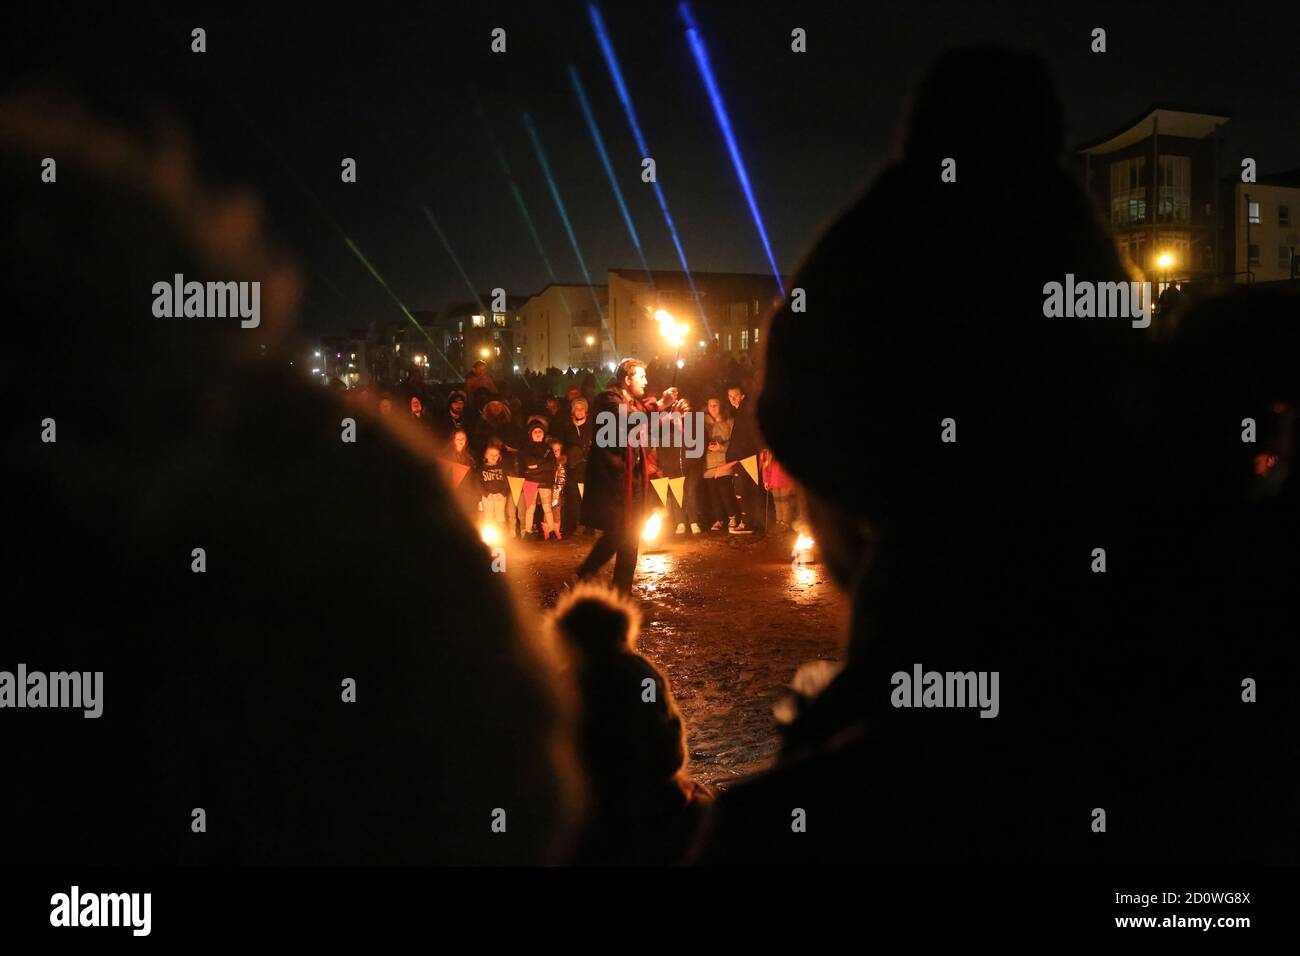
x: 325, y: 561
x: 644, y: 807
x: 1119, y: 690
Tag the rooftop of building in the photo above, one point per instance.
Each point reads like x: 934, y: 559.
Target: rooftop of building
x: 1170, y: 120
x: 674, y: 277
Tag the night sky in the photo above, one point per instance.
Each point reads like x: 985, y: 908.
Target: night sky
x: 395, y: 86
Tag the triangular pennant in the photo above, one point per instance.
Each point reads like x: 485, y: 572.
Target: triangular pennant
x: 678, y: 487
x: 458, y: 473
x: 530, y: 494
x: 660, y: 486
x: 516, y: 486
x: 579, y: 484
x: 750, y: 465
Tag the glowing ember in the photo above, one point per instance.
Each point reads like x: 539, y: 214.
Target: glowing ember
x: 653, y: 525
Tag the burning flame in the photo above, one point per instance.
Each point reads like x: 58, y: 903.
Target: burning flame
x: 491, y: 535
x: 672, y: 330
x: 653, y: 525
x: 803, y: 543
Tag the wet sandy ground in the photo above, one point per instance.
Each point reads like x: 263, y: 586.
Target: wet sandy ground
x: 728, y: 619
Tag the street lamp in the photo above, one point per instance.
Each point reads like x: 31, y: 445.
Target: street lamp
x: 591, y: 340
x: 1165, y: 261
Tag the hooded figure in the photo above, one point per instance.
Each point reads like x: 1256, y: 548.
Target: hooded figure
x: 999, y: 512
x: 306, y: 656
x: 536, y: 461
x: 644, y: 808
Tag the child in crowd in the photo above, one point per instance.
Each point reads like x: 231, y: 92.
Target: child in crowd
x: 779, y: 482
x: 465, y: 483
x: 645, y: 808
x: 557, y: 492
x: 493, y: 480
x: 537, y: 463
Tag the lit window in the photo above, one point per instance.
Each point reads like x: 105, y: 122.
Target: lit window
x: 756, y: 336
x: 1173, y: 198
x: 1252, y: 212
x: 1127, y: 191
x: 499, y: 319
x: 479, y: 322
x: 744, y: 339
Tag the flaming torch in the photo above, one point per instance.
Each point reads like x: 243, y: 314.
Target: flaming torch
x: 674, y: 333
x: 652, y: 533
x: 491, y: 535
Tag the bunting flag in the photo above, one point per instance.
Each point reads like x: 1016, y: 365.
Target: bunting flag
x: 579, y: 484
x: 660, y: 486
x: 530, y: 494
x: 516, y: 486
x: 458, y: 473
x: 678, y: 487
x: 750, y: 465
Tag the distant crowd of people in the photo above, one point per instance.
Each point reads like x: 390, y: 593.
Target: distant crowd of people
x: 521, y: 429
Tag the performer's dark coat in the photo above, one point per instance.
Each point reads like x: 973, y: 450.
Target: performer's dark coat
x: 618, y: 483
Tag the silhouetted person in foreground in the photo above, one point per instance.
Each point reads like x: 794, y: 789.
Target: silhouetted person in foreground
x: 281, y: 647
x: 1048, y: 499
x: 643, y: 807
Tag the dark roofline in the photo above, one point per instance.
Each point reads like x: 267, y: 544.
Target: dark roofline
x: 1125, y: 127
x: 639, y: 275
x: 1287, y: 177
x: 567, y: 285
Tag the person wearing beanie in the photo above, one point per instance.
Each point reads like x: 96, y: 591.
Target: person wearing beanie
x: 644, y: 808
x: 987, y: 446
x: 537, y: 463
x: 455, y: 418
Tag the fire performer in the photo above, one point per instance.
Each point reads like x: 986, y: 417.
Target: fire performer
x: 618, y: 474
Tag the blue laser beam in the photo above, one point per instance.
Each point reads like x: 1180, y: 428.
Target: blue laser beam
x: 564, y: 216
x: 442, y: 237
x: 609, y: 167
x: 701, y: 53
x: 611, y: 61
x: 328, y: 217
x: 520, y: 204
